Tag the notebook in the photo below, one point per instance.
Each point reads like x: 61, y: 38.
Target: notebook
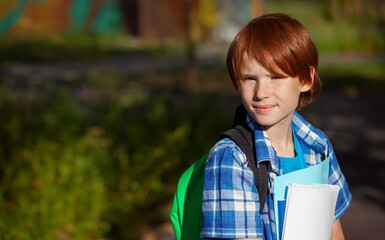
x: 317, y: 174
x: 309, y: 211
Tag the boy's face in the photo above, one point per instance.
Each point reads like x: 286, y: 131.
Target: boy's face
x: 269, y: 99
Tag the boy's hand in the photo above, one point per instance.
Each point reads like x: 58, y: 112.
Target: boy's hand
x: 337, y: 232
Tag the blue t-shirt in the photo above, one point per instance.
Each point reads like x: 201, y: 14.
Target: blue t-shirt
x: 291, y: 164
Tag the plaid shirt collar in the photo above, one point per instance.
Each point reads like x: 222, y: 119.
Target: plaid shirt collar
x: 305, y: 133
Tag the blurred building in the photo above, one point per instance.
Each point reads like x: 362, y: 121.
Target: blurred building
x: 50, y: 17
x: 206, y: 19
x: 143, y: 19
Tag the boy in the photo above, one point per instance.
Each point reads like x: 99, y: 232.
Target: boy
x: 273, y: 64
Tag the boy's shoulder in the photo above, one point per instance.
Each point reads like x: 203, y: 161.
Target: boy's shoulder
x: 226, y: 152
x: 225, y: 143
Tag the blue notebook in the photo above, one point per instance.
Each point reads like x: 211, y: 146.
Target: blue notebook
x: 281, y: 215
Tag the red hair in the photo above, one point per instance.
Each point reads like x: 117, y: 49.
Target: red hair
x: 280, y: 44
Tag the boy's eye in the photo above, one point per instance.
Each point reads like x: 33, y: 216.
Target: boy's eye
x: 278, y: 77
x: 250, y: 78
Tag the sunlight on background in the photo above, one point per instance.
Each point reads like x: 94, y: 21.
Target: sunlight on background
x: 104, y: 103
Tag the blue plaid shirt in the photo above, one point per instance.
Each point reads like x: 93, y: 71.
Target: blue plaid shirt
x: 230, y: 204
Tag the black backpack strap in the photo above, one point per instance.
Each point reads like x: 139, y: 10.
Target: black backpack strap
x: 240, y: 116
x: 242, y: 135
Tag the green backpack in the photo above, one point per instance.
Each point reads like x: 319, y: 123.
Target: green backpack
x: 186, y: 209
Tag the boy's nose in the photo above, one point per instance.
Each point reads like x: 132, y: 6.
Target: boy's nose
x: 263, y: 90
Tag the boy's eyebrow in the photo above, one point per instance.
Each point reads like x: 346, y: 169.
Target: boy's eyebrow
x: 246, y: 75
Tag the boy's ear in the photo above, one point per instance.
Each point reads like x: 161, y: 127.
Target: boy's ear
x: 306, y: 86
x: 312, y: 72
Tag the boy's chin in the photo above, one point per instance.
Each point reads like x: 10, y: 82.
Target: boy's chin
x: 268, y: 122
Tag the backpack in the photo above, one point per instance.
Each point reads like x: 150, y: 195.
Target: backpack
x: 186, y: 209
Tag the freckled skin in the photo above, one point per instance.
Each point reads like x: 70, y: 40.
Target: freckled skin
x: 269, y: 99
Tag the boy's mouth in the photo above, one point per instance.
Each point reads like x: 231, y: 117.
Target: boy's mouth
x: 264, y: 108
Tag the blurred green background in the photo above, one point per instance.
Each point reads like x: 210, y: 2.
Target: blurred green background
x: 103, y: 104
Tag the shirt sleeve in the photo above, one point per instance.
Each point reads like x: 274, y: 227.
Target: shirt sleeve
x: 336, y: 177
x: 230, y: 204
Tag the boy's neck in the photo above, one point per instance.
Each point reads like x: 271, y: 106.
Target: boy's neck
x: 281, y: 138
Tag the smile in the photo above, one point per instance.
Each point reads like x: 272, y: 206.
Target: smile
x: 264, y: 108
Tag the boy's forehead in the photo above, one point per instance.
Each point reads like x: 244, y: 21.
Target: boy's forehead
x: 249, y: 64
x: 246, y: 58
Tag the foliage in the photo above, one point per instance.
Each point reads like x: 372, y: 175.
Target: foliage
x: 360, y: 29
x: 77, y: 166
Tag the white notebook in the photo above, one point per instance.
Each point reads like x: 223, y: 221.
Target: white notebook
x: 309, y: 211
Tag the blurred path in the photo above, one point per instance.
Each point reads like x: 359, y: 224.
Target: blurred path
x: 206, y: 55
x: 115, y: 65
